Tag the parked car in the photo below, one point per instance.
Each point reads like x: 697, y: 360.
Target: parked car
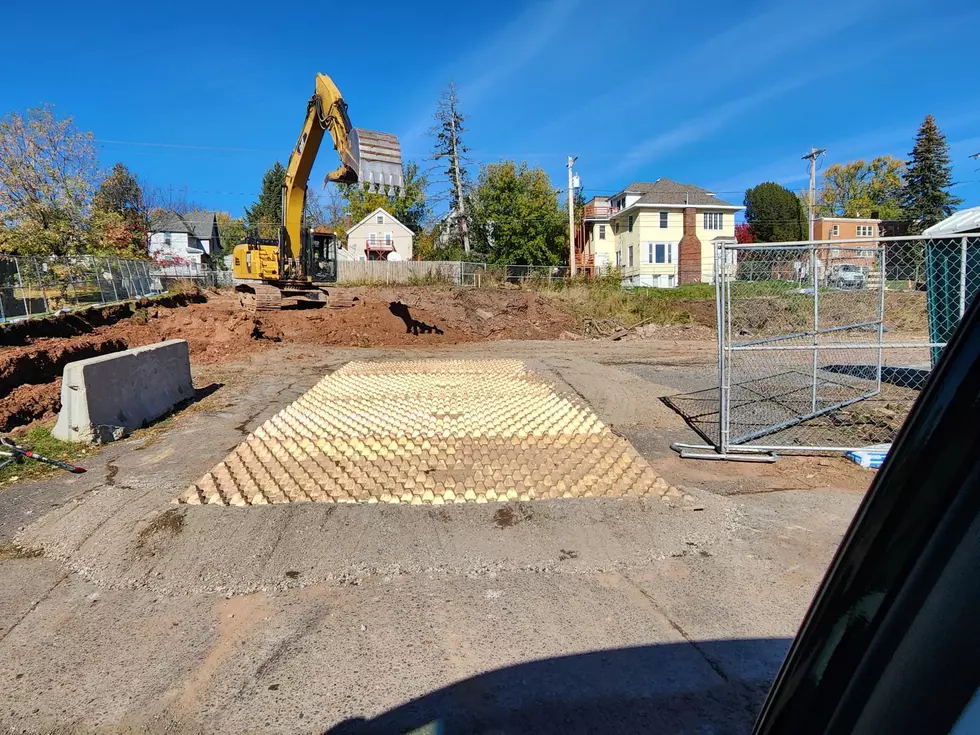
x: 848, y: 276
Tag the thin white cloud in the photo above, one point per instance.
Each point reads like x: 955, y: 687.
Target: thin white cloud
x: 502, y: 56
x: 718, y: 62
x: 693, y: 130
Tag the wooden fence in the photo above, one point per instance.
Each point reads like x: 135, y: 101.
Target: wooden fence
x: 402, y: 271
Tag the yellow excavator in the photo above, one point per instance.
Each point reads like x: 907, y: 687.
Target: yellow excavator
x: 299, y: 263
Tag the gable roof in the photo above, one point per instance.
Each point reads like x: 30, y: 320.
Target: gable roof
x: 199, y: 223
x: 166, y: 220
x: 665, y: 191
x: 382, y: 210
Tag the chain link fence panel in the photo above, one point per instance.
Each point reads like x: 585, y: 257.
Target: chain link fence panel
x: 824, y: 346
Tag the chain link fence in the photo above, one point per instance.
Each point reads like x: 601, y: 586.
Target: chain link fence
x: 31, y: 287
x: 824, y: 346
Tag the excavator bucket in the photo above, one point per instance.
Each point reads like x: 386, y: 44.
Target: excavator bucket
x: 378, y: 158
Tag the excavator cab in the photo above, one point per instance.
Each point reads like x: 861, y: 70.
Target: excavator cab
x: 321, y: 256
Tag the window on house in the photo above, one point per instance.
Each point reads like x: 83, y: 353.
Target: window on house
x: 629, y: 223
x: 630, y: 256
x: 166, y: 239
x: 387, y: 238
x: 663, y: 220
x: 619, y: 259
x: 865, y: 231
x: 835, y: 231
x: 373, y: 238
x: 602, y: 232
x: 713, y: 220
x: 381, y: 219
x: 866, y: 253
x: 835, y: 253
x: 663, y: 254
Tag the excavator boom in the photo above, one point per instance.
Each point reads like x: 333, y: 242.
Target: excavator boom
x: 367, y: 157
x: 270, y: 271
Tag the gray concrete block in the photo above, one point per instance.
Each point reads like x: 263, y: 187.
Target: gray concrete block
x: 106, y: 397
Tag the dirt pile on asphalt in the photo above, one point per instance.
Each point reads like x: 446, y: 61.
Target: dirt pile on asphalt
x: 218, y: 330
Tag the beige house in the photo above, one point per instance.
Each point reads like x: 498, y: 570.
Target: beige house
x: 849, y: 228
x: 661, y: 234
x: 379, y: 236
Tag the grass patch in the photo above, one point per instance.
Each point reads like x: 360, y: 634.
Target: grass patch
x: 39, y: 439
x: 603, y: 305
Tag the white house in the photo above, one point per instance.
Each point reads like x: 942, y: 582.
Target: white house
x: 379, y: 236
x: 184, y: 238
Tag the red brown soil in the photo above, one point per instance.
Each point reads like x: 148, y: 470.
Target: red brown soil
x: 219, y: 331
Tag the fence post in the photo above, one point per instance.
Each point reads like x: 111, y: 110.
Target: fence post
x: 132, y: 281
x: 112, y: 280
x: 722, y: 388
x: 71, y: 283
x: 44, y: 293
x: 963, y: 261
x: 881, y: 317
x: 20, y: 280
x: 816, y: 321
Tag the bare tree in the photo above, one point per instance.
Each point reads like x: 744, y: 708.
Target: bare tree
x: 168, y: 198
x: 449, y: 146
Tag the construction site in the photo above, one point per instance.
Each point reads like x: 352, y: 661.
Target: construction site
x: 532, y: 488
x: 261, y: 474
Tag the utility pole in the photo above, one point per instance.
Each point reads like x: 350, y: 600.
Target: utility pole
x: 571, y: 216
x: 812, y: 158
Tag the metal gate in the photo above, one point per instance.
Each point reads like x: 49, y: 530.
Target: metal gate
x: 824, y: 346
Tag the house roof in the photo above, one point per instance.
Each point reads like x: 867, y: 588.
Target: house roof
x: 665, y: 191
x: 382, y: 210
x: 166, y: 220
x: 199, y: 223
x: 966, y: 220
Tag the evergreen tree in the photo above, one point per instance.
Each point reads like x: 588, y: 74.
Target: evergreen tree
x: 265, y: 215
x: 774, y: 213
x: 926, y: 199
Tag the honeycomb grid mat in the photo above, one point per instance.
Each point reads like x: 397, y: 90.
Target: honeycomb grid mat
x: 428, y: 432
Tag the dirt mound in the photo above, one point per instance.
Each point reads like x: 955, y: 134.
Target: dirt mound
x: 217, y: 330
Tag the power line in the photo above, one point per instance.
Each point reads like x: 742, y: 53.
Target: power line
x: 187, y: 146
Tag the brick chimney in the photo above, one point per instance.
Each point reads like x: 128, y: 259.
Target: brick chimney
x: 689, y: 250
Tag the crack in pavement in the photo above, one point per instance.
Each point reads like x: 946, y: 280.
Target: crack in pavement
x: 676, y: 626
x: 34, y: 606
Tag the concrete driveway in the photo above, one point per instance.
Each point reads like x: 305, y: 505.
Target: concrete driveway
x: 123, y: 612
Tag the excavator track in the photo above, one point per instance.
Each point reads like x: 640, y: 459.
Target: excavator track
x: 262, y: 298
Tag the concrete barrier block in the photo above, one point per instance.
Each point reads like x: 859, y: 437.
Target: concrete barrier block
x: 104, y: 398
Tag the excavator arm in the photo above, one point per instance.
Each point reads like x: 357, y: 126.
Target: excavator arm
x: 366, y: 157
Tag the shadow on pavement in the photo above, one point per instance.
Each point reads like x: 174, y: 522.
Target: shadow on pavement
x: 708, y: 687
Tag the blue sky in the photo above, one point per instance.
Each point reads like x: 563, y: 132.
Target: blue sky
x: 205, y: 96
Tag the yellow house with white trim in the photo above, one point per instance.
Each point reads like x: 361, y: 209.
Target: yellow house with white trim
x: 660, y: 234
